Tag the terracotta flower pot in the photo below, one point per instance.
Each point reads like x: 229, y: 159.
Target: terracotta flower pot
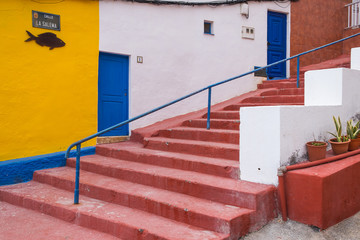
x: 354, y: 144
x: 339, y: 147
x: 316, y: 152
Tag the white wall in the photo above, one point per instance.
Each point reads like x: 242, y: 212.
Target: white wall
x: 178, y: 57
x: 282, y: 131
x: 259, y: 143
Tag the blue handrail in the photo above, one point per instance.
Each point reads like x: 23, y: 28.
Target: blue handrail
x: 209, y: 88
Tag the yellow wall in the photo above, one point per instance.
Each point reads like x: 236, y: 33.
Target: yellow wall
x: 48, y: 98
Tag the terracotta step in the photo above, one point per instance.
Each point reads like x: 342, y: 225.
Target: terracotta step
x: 223, y: 190
x: 276, y: 84
x: 198, y: 212
x: 201, y: 148
x: 278, y: 81
x: 239, y: 105
x: 223, y: 115
x: 284, y: 91
x: 117, y: 220
x: 136, y: 153
x: 345, y: 65
x: 202, y: 134
x: 275, y: 99
x: 294, y: 78
x: 341, y: 61
x: 20, y: 223
x: 214, y: 123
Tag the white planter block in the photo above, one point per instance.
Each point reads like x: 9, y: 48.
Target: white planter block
x: 260, y: 143
x: 323, y: 87
x: 355, y: 58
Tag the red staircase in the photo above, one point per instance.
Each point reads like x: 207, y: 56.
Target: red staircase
x: 179, y: 183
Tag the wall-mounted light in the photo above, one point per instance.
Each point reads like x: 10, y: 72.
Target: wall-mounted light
x: 244, y: 9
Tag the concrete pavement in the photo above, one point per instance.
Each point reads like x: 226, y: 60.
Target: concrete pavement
x: 349, y: 229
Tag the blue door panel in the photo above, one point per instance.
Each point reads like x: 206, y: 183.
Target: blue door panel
x: 276, y: 44
x: 279, y: 69
x: 112, y: 115
x: 113, y: 93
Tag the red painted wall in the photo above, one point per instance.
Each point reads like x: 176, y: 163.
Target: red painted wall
x: 315, y: 23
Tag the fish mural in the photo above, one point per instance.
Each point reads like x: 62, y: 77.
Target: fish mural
x: 46, y: 39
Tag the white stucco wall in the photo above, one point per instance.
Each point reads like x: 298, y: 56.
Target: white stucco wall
x: 332, y: 92
x: 355, y: 59
x: 178, y: 57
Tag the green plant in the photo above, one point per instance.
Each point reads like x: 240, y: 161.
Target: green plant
x: 338, y: 134
x: 317, y: 143
x: 352, y: 131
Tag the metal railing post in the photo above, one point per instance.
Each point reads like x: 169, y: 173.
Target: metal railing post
x: 209, y: 110
x: 298, y: 72
x: 77, y: 176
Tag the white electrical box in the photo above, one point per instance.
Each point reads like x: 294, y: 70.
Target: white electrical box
x: 248, y: 32
x: 244, y: 9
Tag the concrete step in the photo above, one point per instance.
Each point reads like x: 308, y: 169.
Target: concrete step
x: 223, y: 115
x: 21, y: 223
x: 202, y: 134
x: 240, y: 105
x: 214, y: 123
x: 345, y: 65
x: 223, y: 190
x: 280, y: 84
x: 294, y: 78
x: 200, y: 148
x: 135, y: 152
x: 284, y: 91
x: 291, y: 79
x: 114, y: 219
x: 342, y: 61
x: 194, y: 211
x: 275, y: 99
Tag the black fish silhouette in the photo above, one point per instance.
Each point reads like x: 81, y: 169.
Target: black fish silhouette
x: 46, y: 39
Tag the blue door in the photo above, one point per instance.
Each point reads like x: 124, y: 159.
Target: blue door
x: 113, y: 93
x: 276, y: 40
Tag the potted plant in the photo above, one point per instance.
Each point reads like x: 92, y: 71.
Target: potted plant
x: 353, y: 133
x: 316, y: 150
x: 339, y: 144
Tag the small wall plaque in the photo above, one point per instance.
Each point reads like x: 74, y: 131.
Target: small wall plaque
x: 45, y: 20
x: 260, y: 73
x: 140, y: 59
